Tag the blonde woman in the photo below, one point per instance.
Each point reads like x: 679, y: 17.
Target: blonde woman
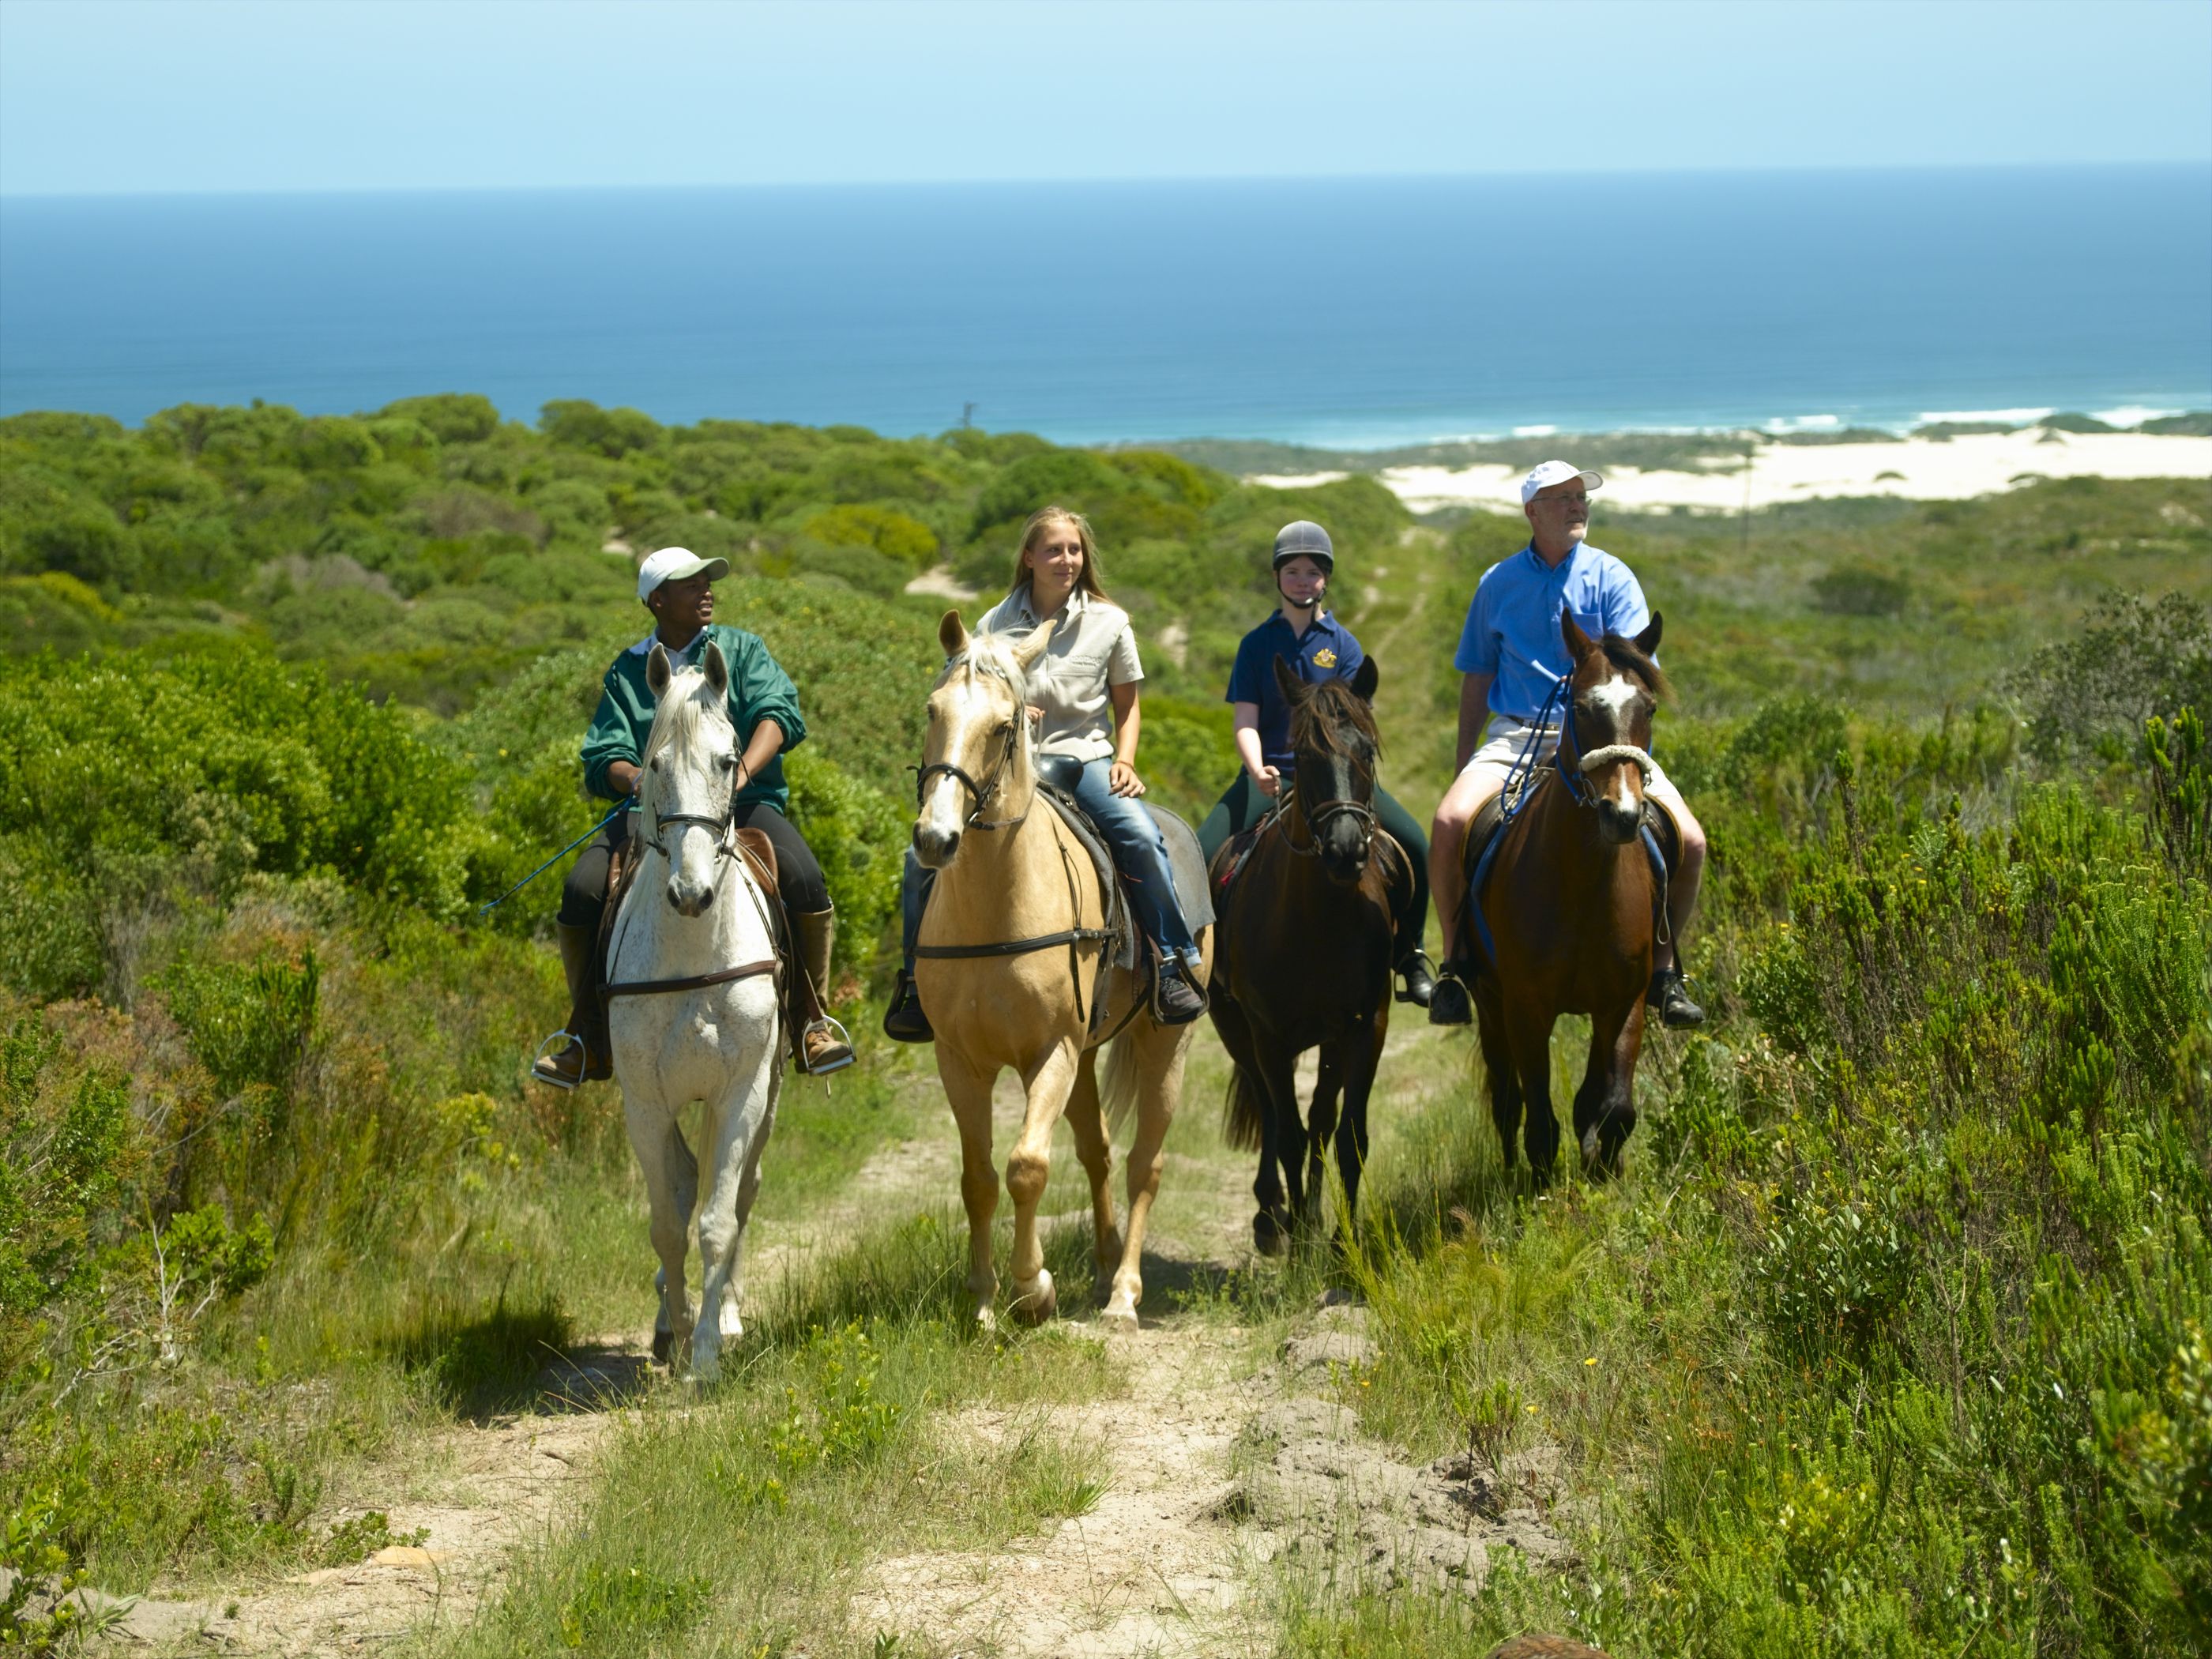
x: 1086, y: 711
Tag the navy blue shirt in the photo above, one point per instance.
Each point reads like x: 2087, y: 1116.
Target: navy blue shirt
x: 1325, y: 651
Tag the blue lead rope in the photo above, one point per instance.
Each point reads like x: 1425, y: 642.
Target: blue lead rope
x: 484, y: 909
x: 1521, y: 772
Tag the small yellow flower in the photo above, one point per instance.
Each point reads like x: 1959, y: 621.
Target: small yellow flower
x: 1592, y: 1360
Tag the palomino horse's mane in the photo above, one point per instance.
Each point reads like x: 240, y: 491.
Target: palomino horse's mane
x: 1628, y: 656
x: 992, y: 655
x: 1317, y: 722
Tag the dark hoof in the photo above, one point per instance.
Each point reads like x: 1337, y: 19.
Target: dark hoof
x: 1269, y: 1236
x: 660, y: 1341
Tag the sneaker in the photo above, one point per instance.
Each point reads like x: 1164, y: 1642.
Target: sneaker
x: 1178, y: 1001
x: 1670, y: 995
x: 1418, y: 980
x: 904, y: 1021
x: 826, y: 1048
x: 1450, y: 1004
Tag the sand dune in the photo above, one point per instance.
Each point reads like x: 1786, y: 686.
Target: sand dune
x: 1919, y: 468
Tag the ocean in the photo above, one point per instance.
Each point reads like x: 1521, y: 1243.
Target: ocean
x: 1346, y: 312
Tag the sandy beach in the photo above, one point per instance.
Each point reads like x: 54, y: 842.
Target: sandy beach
x: 1923, y: 469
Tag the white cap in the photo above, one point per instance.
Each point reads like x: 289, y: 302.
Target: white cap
x: 673, y: 564
x: 1552, y: 472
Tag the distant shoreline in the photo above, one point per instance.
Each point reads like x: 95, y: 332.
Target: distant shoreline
x: 1711, y: 476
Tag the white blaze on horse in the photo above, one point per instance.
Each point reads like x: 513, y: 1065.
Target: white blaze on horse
x: 693, y: 1011
x: 1009, y: 971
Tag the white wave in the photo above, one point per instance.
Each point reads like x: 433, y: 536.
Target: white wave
x: 1804, y: 424
x: 2009, y: 416
x: 1535, y: 432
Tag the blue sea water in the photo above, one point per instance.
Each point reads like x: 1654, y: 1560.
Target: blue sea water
x: 1351, y: 312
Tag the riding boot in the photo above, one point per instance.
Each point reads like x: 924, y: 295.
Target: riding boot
x: 1449, y: 1001
x: 1669, y: 994
x: 585, y: 1057
x: 904, y: 1021
x: 1420, y: 976
x: 823, y: 1045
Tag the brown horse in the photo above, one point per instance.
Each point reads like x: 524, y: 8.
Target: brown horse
x: 1570, y: 913
x: 1305, y: 959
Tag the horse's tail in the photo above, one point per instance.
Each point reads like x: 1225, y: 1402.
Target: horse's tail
x: 1243, y: 1111
x: 1117, y: 1080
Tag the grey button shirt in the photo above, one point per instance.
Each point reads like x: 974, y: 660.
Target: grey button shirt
x: 1093, y: 649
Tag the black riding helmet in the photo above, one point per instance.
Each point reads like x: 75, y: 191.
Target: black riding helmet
x: 1305, y: 539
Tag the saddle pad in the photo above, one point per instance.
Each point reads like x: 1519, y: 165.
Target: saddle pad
x: 1187, y: 863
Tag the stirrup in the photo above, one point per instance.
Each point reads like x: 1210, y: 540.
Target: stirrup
x: 564, y: 1037
x: 805, y: 1069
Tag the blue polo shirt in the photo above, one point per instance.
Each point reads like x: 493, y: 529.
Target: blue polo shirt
x: 1513, y: 630
x: 1325, y: 651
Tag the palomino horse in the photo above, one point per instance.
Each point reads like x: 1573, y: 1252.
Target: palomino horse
x: 1008, y: 970
x: 1569, y: 910
x: 1305, y: 959
x: 693, y: 1007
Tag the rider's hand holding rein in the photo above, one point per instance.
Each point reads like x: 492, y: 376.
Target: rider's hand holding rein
x: 1123, y: 779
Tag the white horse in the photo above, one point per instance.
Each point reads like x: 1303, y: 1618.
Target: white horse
x: 692, y: 1012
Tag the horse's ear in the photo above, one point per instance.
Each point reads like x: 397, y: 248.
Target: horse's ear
x: 657, y: 669
x: 718, y: 672
x: 1295, y: 690
x: 1026, y: 653
x: 1365, y: 679
x: 952, y: 634
x: 1579, y: 644
x: 1647, y: 640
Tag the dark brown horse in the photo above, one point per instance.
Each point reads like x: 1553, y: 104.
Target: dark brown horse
x: 1569, y: 910
x: 1304, y: 955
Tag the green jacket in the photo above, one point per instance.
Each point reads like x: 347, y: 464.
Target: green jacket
x: 759, y: 691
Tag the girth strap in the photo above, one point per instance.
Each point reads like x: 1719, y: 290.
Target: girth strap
x: 1016, y: 947
x: 640, y: 987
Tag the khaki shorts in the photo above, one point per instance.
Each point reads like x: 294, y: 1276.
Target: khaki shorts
x: 1505, y: 738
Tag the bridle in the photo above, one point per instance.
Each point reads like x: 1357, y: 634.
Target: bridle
x: 725, y: 846
x: 1319, y: 818
x: 982, y: 793
x: 1576, y: 780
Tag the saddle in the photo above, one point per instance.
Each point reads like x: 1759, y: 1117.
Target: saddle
x: 1660, y: 835
x: 801, y: 1007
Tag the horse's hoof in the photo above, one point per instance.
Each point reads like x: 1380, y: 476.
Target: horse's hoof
x: 1269, y: 1236
x: 1119, y: 1313
x: 986, y: 1320
x: 660, y: 1340
x: 1038, y: 1303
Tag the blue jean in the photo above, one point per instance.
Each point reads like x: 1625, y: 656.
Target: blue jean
x: 1139, y: 854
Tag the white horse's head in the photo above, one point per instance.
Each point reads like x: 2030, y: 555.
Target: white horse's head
x: 690, y: 774
x: 976, y: 761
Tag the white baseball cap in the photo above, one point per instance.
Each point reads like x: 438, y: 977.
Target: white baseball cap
x: 673, y: 564
x: 1549, y: 473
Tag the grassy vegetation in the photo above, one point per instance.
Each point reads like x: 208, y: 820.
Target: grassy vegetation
x: 1886, y: 1345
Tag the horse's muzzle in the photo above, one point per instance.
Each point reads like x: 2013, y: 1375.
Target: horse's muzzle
x: 1617, y: 823
x: 934, y: 848
x: 691, y: 898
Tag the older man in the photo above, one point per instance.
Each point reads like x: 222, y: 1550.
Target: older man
x: 1511, y: 654
x: 677, y: 586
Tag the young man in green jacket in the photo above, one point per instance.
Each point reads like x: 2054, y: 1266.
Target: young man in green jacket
x: 677, y: 587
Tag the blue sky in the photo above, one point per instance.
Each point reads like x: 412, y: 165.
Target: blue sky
x: 162, y: 95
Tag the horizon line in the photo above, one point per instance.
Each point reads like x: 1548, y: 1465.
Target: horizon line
x: 125, y: 193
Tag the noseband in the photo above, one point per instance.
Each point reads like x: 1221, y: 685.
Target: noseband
x: 1576, y: 780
